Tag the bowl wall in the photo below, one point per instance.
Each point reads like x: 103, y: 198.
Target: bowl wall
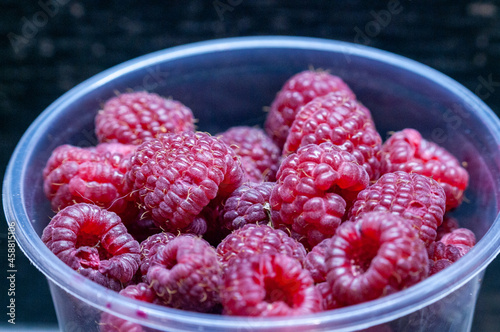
x: 227, y: 83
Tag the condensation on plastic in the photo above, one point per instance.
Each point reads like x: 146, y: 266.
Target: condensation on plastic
x: 229, y: 82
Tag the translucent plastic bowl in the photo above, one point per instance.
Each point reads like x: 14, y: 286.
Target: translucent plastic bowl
x: 227, y: 82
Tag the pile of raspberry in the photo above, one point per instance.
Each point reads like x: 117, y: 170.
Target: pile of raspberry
x: 311, y: 212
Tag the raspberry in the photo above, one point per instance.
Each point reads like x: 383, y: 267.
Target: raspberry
x: 268, y: 285
x: 315, y: 261
x: 407, y: 151
x: 449, y: 224
x: 249, y: 204
x: 259, y: 155
x: 132, y: 118
x: 141, y: 292
x: 379, y: 254
x: 186, y: 274
x: 149, y: 248
x: 338, y: 118
x: 88, y: 175
x: 95, y: 243
x: 300, y: 89
x: 254, y: 239
x: 417, y: 198
x: 306, y: 195
x: 450, y: 248
x: 175, y: 176
x: 119, y: 148
x: 328, y: 300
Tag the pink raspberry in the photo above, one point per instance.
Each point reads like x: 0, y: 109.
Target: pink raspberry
x: 149, y: 248
x: 249, y: 204
x: 89, y: 175
x: 124, y: 149
x: 449, y: 224
x: 307, y: 195
x: 407, y: 151
x: 260, y: 156
x: 95, y: 243
x: 328, y: 300
x: 297, y: 91
x: 379, y: 254
x: 186, y: 274
x: 175, y: 176
x: 254, y: 239
x: 268, y: 285
x: 132, y: 118
x: 417, y: 198
x: 315, y: 261
x: 338, y: 118
x: 450, y: 248
x: 141, y: 292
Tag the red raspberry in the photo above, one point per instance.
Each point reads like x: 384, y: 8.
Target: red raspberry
x: 249, y: 204
x: 407, y: 151
x: 338, y: 118
x: 141, y: 292
x: 176, y: 175
x: 379, y: 254
x: 450, y: 248
x: 94, y: 242
x: 417, y: 198
x: 88, y: 175
x: 132, y: 118
x: 328, y: 300
x: 268, y: 285
x: 295, y: 93
x: 186, y: 274
x: 449, y: 225
x: 149, y: 248
x: 124, y: 149
x: 306, y: 195
x: 254, y: 239
x: 315, y: 261
x: 259, y: 155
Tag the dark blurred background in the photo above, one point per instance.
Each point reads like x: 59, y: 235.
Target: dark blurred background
x: 49, y: 46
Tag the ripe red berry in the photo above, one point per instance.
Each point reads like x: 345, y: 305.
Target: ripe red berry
x: 379, y: 254
x: 450, y: 248
x: 417, y: 198
x: 94, y: 242
x: 315, y: 261
x: 175, y: 176
x: 407, y: 151
x: 149, y: 248
x: 254, y: 239
x: 449, y: 224
x: 132, y: 118
x: 268, y: 285
x: 141, y: 292
x: 297, y: 91
x: 249, y: 204
x: 307, y: 195
x: 259, y: 155
x: 338, y: 118
x: 186, y: 274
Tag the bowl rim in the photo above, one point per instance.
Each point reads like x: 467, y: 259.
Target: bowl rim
x: 364, y: 315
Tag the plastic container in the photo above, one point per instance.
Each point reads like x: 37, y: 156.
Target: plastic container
x: 227, y: 82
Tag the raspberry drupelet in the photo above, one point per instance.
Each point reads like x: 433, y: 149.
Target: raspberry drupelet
x: 260, y: 156
x: 254, y: 239
x: 376, y: 255
x: 132, y: 118
x: 186, y: 274
x: 95, y: 243
x: 407, y: 151
x: 308, y: 197
x: 297, y: 91
x: 89, y: 175
x: 249, y: 204
x: 268, y: 285
x: 417, y: 198
x: 175, y: 176
x: 338, y: 118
